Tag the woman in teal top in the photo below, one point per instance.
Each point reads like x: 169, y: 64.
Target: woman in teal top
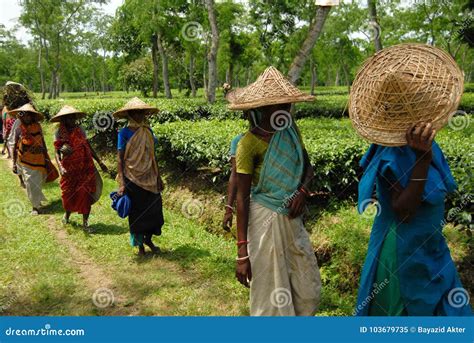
x: 408, y: 269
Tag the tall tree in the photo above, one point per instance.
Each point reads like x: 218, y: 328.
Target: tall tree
x: 313, y: 33
x: 51, y: 22
x: 374, y: 22
x: 212, y: 55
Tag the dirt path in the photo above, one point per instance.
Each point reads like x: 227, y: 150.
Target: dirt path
x: 103, y: 293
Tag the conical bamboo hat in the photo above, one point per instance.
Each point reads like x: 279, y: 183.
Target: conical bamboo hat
x: 403, y: 85
x: 271, y: 88
x: 135, y: 104
x: 64, y: 111
x: 17, y: 112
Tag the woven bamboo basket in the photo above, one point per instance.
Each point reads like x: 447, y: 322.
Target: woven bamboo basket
x: 270, y: 88
x: 403, y: 85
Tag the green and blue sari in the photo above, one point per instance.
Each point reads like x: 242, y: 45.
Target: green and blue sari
x: 408, y: 269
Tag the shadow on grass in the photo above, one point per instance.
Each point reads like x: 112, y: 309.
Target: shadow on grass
x: 54, y: 206
x: 184, y: 255
x: 108, y: 229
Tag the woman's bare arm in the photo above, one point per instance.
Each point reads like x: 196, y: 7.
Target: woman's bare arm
x: 120, y: 171
x: 243, y: 270
x: 405, y: 201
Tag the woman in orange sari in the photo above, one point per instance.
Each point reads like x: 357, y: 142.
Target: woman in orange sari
x: 74, y: 157
x: 30, y: 154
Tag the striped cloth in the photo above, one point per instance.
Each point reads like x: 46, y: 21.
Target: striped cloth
x: 281, y: 172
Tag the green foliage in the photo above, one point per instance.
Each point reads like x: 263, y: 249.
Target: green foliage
x: 333, y: 146
x: 138, y: 75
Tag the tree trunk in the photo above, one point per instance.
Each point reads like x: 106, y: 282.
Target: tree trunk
x: 372, y: 4
x: 58, y: 85
x: 347, y: 77
x: 313, y: 75
x: 191, y: 75
x: 212, y: 56
x: 51, y: 85
x: 154, y: 59
x: 164, y: 61
x: 336, y: 83
x: 204, y: 78
x: 247, y: 76
x: 313, y: 33
x: 229, y: 74
x: 41, y: 71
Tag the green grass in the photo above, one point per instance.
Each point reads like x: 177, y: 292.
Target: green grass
x: 193, y: 276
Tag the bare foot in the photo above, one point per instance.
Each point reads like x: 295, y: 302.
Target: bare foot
x: 152, y: 246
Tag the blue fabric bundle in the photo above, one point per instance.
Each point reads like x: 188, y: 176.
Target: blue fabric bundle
x: 121, y: 204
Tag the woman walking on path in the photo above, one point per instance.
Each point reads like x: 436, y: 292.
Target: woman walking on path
x: 74, y: 156
x: 275, y: 256
x: 138, y: 174
x: 30, y: 155
x: 408, y: 269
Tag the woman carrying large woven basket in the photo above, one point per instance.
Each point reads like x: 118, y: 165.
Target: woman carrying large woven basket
x: 400, y: 99
x: 275, y: 256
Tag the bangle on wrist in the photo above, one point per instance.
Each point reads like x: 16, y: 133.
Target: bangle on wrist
x: 304, y: 191
x: 239, y: 243
x: 244, y: 258
x: 228, y: 207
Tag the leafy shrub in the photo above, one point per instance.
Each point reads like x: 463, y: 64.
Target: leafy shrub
x: 333, y: 146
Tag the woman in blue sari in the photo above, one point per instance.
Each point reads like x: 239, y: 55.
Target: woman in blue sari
x: 408, y: 268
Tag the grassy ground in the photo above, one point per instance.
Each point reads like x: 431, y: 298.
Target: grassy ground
x: 47, y: 268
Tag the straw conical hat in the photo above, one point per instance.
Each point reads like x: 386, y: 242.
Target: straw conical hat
x: 64, y: 111
x: 271, y: 88
x: 17, y: 112
x: 403, y: 85
x: 135, y: 104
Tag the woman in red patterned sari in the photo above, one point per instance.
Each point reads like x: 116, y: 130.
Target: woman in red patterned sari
x: 74, y: 156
